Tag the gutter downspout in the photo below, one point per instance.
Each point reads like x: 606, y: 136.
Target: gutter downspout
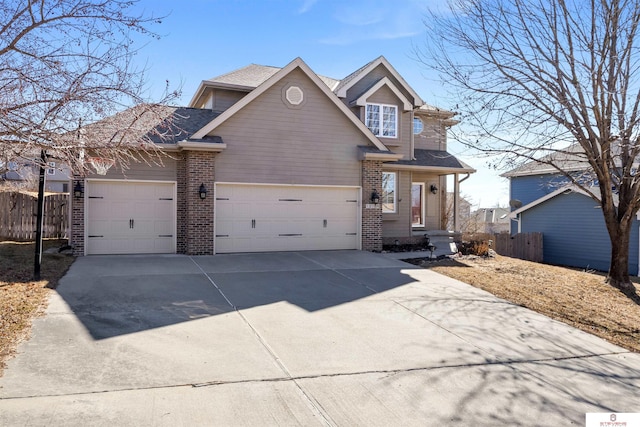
x: 413, y: 136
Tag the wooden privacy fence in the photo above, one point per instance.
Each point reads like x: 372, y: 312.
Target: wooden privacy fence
x: 527, y: 246
x: 18, y: 214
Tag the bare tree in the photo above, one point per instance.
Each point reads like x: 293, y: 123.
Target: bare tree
x: 65, y: 63
x: 555, y: 81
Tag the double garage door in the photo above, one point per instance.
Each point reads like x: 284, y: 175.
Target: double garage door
x: 264, y: 218
x: 128, y: 217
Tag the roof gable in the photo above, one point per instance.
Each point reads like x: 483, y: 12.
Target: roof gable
x: 356, y: 76
x: 276, y: 77
x: 362, y: 99
x: 566, y: 189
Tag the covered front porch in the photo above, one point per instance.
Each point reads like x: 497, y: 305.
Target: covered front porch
x: 415, y: 209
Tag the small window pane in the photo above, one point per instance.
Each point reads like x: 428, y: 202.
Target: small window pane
x: 373, y: 118
x: 417, y: 126
x: 388, y: 192
x: 389, y: 121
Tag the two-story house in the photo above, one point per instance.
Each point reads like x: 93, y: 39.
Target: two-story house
x: 572, y: 224
x: 57, y: 175
x: 277, y: 159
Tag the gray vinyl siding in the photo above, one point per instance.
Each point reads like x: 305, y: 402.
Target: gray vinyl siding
x: 574, y: 233
x: 221, y: 100
x: 402, y: 143
x: 433, y: 207
x: 399, y: 224
x: 268, y: 141
x: 433, y: 135
x: 371, y: 79
x: 144, y: 171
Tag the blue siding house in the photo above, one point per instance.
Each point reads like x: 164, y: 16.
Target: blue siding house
x: 573, y: 228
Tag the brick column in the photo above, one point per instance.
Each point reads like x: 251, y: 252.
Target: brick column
x: 181, y: 203
x: 76, y: 234
x: 371, y: 214
x: 198, y: 224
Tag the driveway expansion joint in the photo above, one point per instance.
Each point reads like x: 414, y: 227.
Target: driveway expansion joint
x: 296, y: 379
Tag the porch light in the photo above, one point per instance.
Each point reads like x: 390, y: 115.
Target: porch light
x: 375, y: 197
x: 433, y: 189
x: 78, y: 192
x: 202, y: 191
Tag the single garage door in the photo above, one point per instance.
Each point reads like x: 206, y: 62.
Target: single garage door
x: 130, y: 217
x: 264, y: 218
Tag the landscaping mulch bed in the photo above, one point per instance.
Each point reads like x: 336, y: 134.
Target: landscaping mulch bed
x: 21, y: 298
x: 579, y: 298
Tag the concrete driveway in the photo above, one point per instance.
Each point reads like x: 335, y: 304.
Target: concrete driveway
x: 311, y: 338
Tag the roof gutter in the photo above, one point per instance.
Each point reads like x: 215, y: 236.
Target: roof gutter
x: 201, y: 146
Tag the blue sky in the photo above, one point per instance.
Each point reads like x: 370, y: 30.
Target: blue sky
x: 205, y: 38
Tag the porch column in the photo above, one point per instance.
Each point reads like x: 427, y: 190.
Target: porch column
x: 456, y: 201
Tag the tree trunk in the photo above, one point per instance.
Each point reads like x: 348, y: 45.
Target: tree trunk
x: 618, y: 276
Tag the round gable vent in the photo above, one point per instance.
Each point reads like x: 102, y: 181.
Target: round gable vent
x: 294, y: 95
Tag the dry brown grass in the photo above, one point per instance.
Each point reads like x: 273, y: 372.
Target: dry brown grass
x: 578, y: 298
x: 21, y: 298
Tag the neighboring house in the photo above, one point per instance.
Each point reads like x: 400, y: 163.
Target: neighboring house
x: 490, y: 220
x: 464, y: 213
x: 573, y: 227
x: 57, y: 175
x: 277, y: 159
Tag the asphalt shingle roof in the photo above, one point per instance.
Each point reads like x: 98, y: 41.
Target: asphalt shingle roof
x: 159, y: 124
x: 435, y: 158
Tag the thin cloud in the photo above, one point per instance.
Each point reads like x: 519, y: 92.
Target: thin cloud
x: 372, y: 20
x: 306, y: 6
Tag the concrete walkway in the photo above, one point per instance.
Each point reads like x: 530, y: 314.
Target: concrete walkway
x: 340, y: 338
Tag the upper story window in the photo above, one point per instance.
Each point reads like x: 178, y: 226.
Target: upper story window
x: 388, y: 198
x: 51, y: 169
x: 382, y: 120
x: 417, y: 126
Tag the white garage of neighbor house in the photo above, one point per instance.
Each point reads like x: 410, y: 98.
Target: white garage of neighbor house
x: 276, y: 159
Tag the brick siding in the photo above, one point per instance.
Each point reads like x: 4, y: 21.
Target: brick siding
x: 195, y: 216
x: 371, y: 216
x: 76, y: 237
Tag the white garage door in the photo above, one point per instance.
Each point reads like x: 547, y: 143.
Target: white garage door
x: 264, y: 218
x: 128, y: 217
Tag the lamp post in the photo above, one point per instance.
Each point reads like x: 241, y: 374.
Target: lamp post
x: 41, y: 180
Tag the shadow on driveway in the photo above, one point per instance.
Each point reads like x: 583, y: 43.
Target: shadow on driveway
x: 117, y: 295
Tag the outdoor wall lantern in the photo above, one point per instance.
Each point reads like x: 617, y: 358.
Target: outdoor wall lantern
x: 202, y: 191
x: 375, y: 197
x: 433, y: 189
x: 78, y: 192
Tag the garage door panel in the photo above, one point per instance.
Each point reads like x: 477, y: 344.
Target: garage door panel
x: 130, y: 217
x: 258, y: 218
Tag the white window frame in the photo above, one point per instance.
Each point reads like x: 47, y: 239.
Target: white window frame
x: 417, y: 120
x: 383, y: 194
x: 422, y: 205
x: 379, y: 130
x: 51, y: 168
